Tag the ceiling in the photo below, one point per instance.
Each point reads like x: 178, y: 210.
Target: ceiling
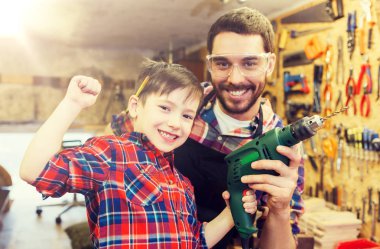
x: 144, y: 25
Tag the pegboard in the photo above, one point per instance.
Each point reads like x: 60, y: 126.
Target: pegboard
x: 354, y: 186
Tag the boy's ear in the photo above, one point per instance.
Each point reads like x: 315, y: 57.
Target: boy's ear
x: 132, y: 106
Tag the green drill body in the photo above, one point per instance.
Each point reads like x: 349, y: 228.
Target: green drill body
x: 262, y: 147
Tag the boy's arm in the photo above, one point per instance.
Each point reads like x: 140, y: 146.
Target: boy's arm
x: 216, y: 229
x: 82, y: 92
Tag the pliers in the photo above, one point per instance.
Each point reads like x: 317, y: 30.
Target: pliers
x: 350, y: 91
x: 365, y: 103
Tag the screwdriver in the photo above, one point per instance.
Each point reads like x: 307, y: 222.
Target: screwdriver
x: 294, y: 33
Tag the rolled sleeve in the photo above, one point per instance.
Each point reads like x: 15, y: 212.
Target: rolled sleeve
x: 80, y: 169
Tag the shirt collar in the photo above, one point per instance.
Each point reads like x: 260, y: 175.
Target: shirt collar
x: 143, y: 141
x: 207, y: 114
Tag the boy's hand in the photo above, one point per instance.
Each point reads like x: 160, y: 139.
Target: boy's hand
x: 83, y: 91
x: 249, y: 201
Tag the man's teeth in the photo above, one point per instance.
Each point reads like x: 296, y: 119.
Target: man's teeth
x: 237, y: 93
x: 164, y: 134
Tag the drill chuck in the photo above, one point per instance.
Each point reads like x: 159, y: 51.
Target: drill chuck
x: 306, y: 127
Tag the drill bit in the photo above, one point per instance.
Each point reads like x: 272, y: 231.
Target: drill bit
x: 343, y: 109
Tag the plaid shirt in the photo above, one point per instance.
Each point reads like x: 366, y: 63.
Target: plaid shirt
x: 134, y: 197
x: 207, y: 132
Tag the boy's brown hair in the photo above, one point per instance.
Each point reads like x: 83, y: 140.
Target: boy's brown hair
x: 164, y: 78
x: 245, y: 21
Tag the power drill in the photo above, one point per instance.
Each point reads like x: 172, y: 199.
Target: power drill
x: 262, y: 147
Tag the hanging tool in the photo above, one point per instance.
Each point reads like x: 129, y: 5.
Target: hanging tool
x: 369, y: 200
x: 339, y: 9
x: 365, y: 103
x: 294, y: 33
x: 351, y: 26
x: 314, y: 48
x: 329, y: 146
x: 373, y: 223
x: 116, y: 96
x: 378, y: 210
x: 366, y: 144
x: 364, y: 201
x: 351, y: 91
x: 318, y: 74
x: 264, y: 147
x: 295, y: 84
x: 281, y: 44
x: 327, y: 92
x: 339, y: 133
x: 347, y: 151
x: 378, y: 82
x: 295, y: 111
x: 339, y: 102
x: 272, y: 99
x: 367, y: 16
x: 340, y: 65
x: 361, y: 32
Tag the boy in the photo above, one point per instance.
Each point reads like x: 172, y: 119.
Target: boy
x: 135, y: 197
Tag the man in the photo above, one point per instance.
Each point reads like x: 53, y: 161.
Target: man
x: 241, y: 45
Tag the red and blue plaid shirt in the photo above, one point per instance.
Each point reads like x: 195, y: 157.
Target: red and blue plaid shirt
x: 207, y: 132
x: 135, y: 198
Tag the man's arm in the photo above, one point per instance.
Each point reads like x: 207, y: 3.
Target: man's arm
x: 277, y: 232
x: 82, y: 92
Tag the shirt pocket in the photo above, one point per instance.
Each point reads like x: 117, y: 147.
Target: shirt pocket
x: 142, y: 184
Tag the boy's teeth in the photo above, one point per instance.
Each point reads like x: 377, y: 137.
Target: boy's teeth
x: 237, y: 93
x: 167, y: 135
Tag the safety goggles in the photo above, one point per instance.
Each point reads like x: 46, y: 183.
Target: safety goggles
x: 249, y: 65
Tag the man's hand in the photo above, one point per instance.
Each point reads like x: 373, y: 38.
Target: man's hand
x: 83, y: 91
x: 280, y: 188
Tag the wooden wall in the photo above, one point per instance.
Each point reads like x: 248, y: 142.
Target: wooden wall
x: 352, y: 187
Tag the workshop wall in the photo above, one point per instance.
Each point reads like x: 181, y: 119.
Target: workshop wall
x: 34, y: 77
x: 353, y: 179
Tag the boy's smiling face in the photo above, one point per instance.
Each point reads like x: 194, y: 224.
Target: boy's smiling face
x: 166, y: 119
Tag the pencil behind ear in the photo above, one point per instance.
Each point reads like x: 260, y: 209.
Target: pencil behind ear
x: 132, y: 106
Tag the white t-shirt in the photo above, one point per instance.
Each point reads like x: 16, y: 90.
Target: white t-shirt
x: 227, y: 123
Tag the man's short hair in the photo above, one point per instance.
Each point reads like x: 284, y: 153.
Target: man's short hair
x: 245, y: 21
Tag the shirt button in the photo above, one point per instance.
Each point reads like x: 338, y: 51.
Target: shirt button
x: 219, y: 138
x: 170, y: 182
x: 142, y: 171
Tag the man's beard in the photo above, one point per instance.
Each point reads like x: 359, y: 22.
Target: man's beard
x: 237, y: 109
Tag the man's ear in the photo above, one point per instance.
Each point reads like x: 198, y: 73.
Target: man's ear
x: 271, y: 64
x: 132, y: 106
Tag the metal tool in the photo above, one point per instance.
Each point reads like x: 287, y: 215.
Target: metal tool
x: 364, y: 201
x: 378, y: 81
x: 369, y: 200
x: 318, y: 73
x: 378, y: 210
x: 339, y: 158
x: 328, y: 92
x: 295, y: 33
x: 340, y: 64
x: 351, y: 26
x: 263, y: 147
x: 365, y: 103
x: 373, y: 223
x: 351, y: 91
